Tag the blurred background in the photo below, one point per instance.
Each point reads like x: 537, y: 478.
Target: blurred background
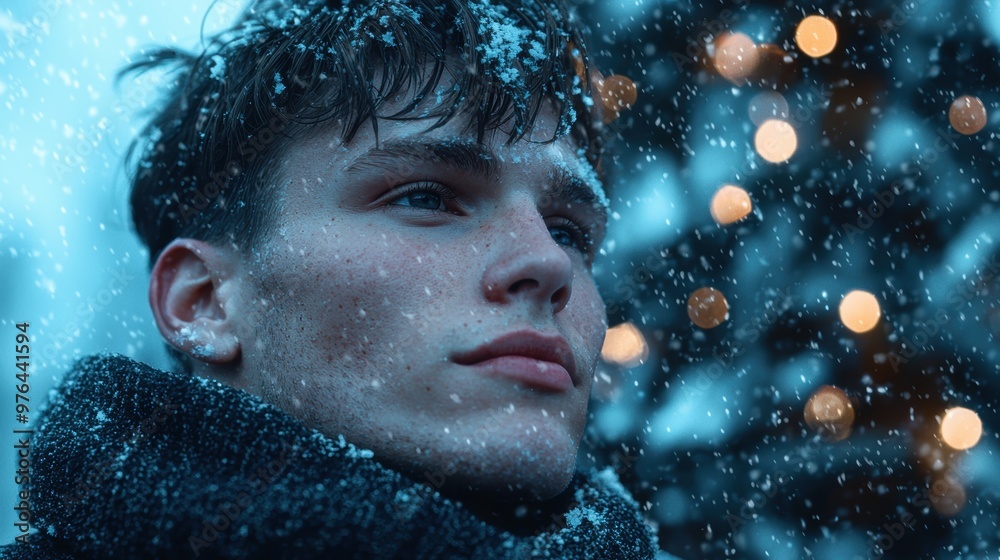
x: 72, y: 266
x: 801, y: 271
x: 804, y: 276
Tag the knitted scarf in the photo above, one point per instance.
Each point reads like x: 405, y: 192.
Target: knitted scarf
x: 134, y: 463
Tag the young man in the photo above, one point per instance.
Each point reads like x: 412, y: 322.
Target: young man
x: 371, y: 229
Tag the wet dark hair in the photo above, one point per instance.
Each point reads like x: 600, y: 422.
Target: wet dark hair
x: 203, y: 166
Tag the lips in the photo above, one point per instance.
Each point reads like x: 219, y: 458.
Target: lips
x: 533, y: 359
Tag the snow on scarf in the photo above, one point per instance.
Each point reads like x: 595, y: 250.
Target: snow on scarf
x: 134, y: 463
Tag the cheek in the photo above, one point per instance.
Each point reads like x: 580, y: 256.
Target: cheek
x: 590, y: 313
x: 367, y: 293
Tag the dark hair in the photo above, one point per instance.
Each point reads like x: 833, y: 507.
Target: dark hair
x: 206, y: 157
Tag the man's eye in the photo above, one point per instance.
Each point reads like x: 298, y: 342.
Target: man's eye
x: 424, y: 196
x: 567, y: 233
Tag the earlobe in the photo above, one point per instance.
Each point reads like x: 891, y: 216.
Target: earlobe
x: 189, y: 292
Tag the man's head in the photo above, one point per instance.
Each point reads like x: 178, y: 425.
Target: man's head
x: 381, y: 218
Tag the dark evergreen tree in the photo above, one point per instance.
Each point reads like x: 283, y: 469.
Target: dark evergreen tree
x: 883, y: 194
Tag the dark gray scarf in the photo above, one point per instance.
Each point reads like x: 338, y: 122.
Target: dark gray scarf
x: 134, y: 463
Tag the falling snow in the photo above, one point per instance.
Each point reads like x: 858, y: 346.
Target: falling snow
x: 835, y: 195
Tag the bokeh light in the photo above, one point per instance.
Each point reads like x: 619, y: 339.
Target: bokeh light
x: 578, y: 65
x: 617, y: 94
x: 624, y: 345
x: 816, y: 36
x: 829, y: 411
x: 707, y: 308
x: 735, y: 57
x: 967, y: 115
x: 730, y: 205
x: 860, y: 311
x: 776, y: 141
x: 961, y: 428
x: 947, y: 496
x: 767, y: 105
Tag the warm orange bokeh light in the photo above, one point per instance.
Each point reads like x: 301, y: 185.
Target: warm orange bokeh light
x: 961, y: 428
x: 707, y: 308
x: 617, y: 94
x: 860, y: 311
x: 735, y: 57
x: 776, y: 141
x: 967, y: 115
x: 624, y: 345
x: 816, y: 36
x: 730, y: 205
x: 830, y: 412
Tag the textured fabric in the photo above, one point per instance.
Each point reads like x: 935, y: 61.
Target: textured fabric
x: 131, y: 463
x: 37, y: 549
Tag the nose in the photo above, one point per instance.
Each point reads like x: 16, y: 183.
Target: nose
x: 527, y: 264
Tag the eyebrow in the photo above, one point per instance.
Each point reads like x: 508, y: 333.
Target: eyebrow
x: 457, y: 154
x: 567, y: 188
x: 571, y: 189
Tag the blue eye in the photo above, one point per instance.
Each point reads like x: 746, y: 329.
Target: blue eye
x: 425, y: 200
x: 424, y: 196
x: 569, y: 234
x: 562, y: 237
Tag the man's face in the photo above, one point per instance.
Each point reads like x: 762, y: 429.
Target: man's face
x: 379, y: 309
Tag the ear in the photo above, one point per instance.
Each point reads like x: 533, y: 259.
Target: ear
x: 189, y: 290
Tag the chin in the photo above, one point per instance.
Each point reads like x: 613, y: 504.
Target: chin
x: 515, y: 465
